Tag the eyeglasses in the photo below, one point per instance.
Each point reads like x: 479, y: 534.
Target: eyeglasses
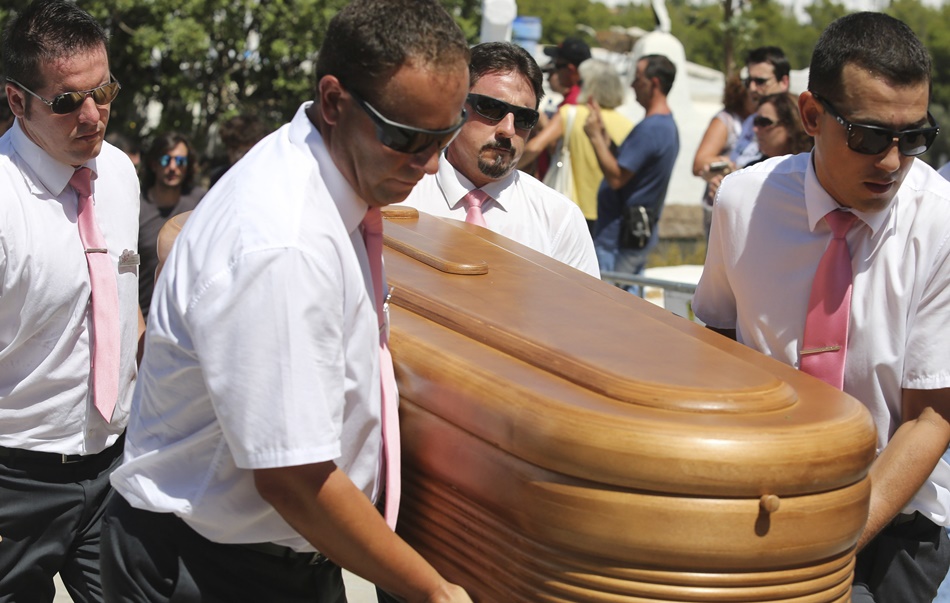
x: 67, y: 102
x: 762, y: 122
x: 180, y: 160
x: 758, y: 81
x: 496, y: 110
x: 874, y: 140
x: 407, y: 139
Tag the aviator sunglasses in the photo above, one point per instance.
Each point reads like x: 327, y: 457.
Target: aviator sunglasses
x: 67, y: 102
x: 762, y: 122
x: 180, y: 160
x: 407, y: 139
x: 496, y: 110
x: 873, y: 140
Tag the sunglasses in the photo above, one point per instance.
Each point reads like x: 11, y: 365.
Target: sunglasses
x: 407, y: 139
x: 762, y: 122
x: 758, y: 81
x: 67, y: 102
x: 874, y: 140
x: 180, y: 160
x: 496, y: 110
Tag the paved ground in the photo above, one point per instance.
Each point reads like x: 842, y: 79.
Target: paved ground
x: 357, y: 590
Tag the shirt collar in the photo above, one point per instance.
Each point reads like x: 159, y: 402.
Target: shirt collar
x: 351, y: 207
x: 52, y: 175
x: 818, y: 203
x: 454, y: 185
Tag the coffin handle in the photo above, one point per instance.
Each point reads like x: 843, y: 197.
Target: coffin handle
x: 425, y: 250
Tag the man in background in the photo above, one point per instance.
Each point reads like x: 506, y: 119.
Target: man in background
x: 68, y: 313
x: 566, y: 59
x: 238, y: 134
x: 478, y: 182
x: 631, y: 197
x: 768, y: 71
x: 168, y: 189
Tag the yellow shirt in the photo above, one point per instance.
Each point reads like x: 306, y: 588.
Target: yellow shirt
x: 586, y: 169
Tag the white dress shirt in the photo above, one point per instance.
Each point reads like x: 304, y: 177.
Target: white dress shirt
x: 262, y: 348
x: 521, y: 208
x: 45, y: 318
x: 766, y: 241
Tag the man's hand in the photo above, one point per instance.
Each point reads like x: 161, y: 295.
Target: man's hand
x: 452, y: 593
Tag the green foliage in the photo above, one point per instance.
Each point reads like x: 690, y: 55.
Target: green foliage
x: 193, y: 63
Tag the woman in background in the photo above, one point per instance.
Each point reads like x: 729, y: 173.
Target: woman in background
x: 711, y: 161
x: 599, y: 82
x: 778, y: 126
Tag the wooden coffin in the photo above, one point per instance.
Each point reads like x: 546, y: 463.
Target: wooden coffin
x: 564, y: 440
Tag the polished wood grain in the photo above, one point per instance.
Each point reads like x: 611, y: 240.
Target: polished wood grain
x: 566, y: 441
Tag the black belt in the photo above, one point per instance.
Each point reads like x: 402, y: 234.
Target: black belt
x: 52, y: 458
x: 903, y: 518
x: 275, y: 550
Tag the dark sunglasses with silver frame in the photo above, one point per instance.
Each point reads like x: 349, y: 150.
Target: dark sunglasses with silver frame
x: 496, y: 110
x: 407, y: 139
x: 67, y: 102
x: 873, y: 140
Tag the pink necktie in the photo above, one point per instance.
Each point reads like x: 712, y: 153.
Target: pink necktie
x: 105, y: 299
x: 473, y: 207
x: 373, y: 236
x: 825, y: 342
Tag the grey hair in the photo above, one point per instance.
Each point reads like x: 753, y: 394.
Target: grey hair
x: 600, y: 81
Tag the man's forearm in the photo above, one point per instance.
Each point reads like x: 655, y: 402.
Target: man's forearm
x: 903, y: 467
x: 326, y: 508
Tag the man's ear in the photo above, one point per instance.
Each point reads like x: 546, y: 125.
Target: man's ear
x: 810, y: 109
x: 329, y: 95
x: 16, y: 99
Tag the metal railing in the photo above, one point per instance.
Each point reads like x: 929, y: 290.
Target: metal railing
x: 626, y: 279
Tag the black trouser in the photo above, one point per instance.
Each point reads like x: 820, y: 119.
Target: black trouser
x: 50, y: 521
x: 905, y: 563
x: 155, y: 557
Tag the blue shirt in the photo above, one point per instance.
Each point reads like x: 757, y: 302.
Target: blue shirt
x: 649, y: 152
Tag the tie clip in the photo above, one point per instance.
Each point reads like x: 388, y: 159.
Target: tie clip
x: 830, y: 348
x: 97, y: 250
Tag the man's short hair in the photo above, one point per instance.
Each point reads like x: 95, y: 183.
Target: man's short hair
x: 369, y: 40
x: 45, y: 31
x: 162, y: 144
x: 5, y: 112
x: 873, y: 41
x: 505, y: 57
x: 772, y: 55
x: 242, y: 131
x: 660, y: 67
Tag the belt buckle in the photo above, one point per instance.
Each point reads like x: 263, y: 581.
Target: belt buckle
x: 317, y: 558
x: 66, y: 460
